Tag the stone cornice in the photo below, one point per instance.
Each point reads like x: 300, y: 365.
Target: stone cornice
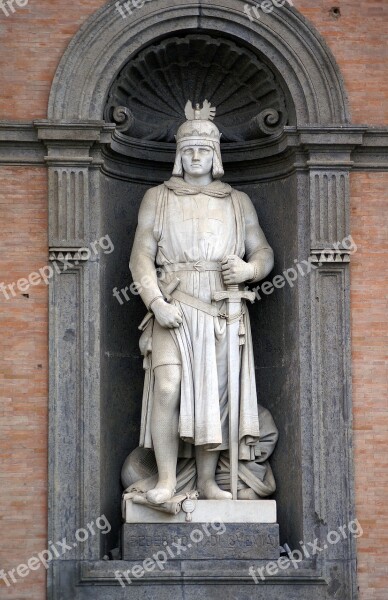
x: 330, y: 147
x: 43, y: 141
x: 19, y: 144
x: 358, y: 147
x: 80, y: 131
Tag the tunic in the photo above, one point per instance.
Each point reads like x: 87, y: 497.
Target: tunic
x: 195, y: 225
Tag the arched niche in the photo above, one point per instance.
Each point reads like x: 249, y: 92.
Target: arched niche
x: 295, y: 168
x: 108, y: 41
x: 147, y: 101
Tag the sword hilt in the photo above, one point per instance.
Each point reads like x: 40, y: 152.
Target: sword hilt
x: 233, y: 292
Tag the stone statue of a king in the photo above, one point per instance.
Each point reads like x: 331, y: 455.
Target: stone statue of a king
x: 196, y: 237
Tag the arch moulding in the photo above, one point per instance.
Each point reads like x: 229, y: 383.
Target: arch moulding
x: 107, y: 41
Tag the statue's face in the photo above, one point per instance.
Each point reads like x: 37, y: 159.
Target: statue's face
x: 197, y: 160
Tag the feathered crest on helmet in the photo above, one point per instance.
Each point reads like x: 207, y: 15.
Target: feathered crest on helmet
x: 206, y: 113
x: 199, y: 125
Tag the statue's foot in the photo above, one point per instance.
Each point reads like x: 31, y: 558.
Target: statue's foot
x: 247, y: 494
x: 161, y: 493
x: 210, y: 490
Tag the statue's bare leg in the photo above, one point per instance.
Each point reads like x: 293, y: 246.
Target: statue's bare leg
x: 206, y: 470
x: 164, y: 429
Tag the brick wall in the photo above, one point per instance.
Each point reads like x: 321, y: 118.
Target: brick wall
x: 23, y: 377
x: 35, y: 38
x: 369, y: 276
x: 358, y: 40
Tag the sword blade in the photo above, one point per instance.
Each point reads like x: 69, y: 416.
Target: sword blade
x: 234, y: 307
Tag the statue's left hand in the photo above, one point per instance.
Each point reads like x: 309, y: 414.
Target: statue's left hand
x: 235, y: 270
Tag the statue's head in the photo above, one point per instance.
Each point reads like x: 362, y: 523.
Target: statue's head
x: 198, y: 144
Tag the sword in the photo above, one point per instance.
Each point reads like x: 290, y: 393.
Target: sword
x: 234, y: 296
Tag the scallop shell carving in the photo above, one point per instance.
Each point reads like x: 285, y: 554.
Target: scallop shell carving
x: 148, y: 98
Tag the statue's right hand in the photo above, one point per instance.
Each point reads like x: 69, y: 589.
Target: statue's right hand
x: 167, y: 315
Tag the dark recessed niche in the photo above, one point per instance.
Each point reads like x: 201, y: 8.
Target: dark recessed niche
x: 147, y: 100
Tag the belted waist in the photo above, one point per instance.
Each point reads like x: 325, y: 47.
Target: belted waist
x: 200, y: 266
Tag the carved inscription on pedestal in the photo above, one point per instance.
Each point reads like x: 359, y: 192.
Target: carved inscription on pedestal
x: 200, y: 541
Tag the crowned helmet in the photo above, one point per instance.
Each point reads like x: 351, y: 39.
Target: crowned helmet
x: 199, y: 130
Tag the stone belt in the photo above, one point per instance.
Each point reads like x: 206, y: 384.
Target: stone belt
x: 199, y: 266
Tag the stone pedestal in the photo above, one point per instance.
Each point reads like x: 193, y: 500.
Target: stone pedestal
x: 206, y: 511
x: 230, y: 530
x: 200, y: 541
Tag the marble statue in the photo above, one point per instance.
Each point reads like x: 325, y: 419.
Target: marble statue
x: 199, y: 243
